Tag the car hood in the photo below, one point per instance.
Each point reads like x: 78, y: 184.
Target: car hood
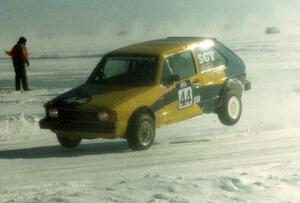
x: 92, y: 96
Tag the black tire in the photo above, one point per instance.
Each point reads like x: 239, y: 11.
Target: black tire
x: 141, y: 132
x: 68, y: 141
x: 230, y: 110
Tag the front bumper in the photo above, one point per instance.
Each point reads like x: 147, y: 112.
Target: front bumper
x: 78, y: 126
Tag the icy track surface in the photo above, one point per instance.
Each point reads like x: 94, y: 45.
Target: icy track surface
x: 198, y: 160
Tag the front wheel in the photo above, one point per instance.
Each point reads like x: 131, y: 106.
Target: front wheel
x: 230, y: 109
x: 141, y: 132
x: 68, y: 141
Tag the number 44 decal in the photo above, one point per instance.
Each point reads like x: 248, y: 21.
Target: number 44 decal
x: 185, y: 97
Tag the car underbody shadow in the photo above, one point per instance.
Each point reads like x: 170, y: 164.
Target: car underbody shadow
x: 59, y: 151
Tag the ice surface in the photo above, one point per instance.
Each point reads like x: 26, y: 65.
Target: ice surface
x: 197, y: 160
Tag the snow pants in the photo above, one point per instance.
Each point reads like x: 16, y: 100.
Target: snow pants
x: 21, y: 76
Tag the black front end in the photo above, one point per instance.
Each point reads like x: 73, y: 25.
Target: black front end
x: 76, y: 120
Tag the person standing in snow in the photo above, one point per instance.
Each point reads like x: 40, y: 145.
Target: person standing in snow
x: 19, y: 56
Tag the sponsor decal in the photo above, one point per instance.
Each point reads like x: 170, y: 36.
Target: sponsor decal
x: 197, y: 99
x: 183, y: 84
x: 206, y: 57
x: 185, y: 97
x: 77, y: 100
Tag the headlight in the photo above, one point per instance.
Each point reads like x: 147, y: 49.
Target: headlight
x: 103, y: 116
x: 53, y: 113
x: 107, y: 116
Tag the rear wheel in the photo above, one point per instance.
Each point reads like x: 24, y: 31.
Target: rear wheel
x: 68, y: 141
x: 230, y: 110
x: 141, y: 132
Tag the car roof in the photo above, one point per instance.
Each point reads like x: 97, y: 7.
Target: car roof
x: 160, y: 46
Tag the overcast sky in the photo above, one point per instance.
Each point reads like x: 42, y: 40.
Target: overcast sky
x: 83, y: 17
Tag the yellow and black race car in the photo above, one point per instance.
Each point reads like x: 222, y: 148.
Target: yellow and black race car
x: 138, y: 88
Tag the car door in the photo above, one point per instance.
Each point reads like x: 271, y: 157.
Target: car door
x: 180, y: 79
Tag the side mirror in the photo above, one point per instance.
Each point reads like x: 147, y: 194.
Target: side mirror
x: 175, y: 78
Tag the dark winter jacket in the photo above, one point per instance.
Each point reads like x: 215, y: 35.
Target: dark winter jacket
x: 19, y: 54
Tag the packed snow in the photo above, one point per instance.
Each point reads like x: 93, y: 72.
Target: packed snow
x: 198, y: 160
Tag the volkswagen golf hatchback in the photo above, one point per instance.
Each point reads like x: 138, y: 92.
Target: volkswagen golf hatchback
x: 138, y: 88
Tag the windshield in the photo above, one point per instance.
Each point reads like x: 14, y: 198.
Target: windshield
x: 125, y: 70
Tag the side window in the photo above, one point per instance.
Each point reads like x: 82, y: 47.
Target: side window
x: 165, y: 74
x: 209, y: 58
x: 182, y: 64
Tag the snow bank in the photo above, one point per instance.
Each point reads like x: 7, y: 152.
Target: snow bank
x: 21, y: 112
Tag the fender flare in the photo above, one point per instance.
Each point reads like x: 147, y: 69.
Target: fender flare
x: 231, y: 84
x: 139, y: 110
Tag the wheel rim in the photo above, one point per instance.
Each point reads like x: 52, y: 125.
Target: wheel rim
x: 145, y: 133
x: 234, y: 107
